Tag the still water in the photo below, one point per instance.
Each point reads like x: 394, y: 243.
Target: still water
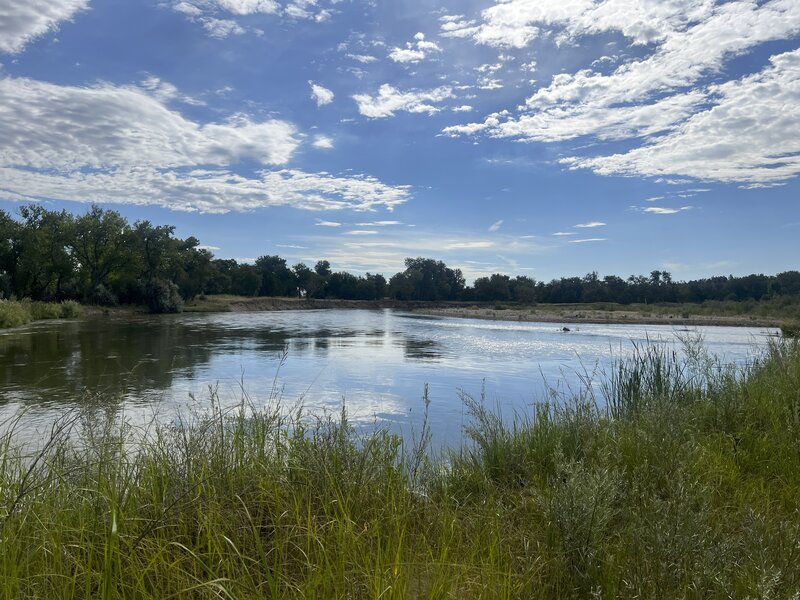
x: 377, y: 362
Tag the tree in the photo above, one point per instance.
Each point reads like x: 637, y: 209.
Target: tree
x: 43, y: 267
x: 427, y: 279
x: 99, y: 242
x: 276, y: 278
x: 307, y: 280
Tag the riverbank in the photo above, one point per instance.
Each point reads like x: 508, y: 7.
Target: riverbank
x: 731, y: 314
x: 15, y: 313
x: 686, y: 485
x: 576, y: 314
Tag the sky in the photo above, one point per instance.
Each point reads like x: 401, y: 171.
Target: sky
x: 525, y: 137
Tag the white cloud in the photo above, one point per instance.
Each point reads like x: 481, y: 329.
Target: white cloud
x: 496, y: 225
x: 462, y: 108
x: 390, y: 100
x: 414, y: 51
x: 564, y: 233
x: 590, y: 225
x: 322, y: 142
x: 661, y: 210
x: 748, y: 135
x: 361, y: 232
x: 320, y: 223
x: 117, y: 144
x: 476, y: 245
x: 215, y: 15
x: 222, y: 28
x: 21, y: 22
x: 379, y: 224
x: 661, y: 94
x: 165, y: 92
x: 587, y: 240
x: 248, y: 7
x: 321, y: 95
x: 364, y: 59
x: 44, y: 125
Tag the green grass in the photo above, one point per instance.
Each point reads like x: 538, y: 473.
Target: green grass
x: 17, y: 313
x: 686, y: 486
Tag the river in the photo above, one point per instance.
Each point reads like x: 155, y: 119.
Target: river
x: 376, y: 361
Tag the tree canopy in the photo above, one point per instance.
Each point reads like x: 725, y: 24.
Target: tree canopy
x: 100, y: 257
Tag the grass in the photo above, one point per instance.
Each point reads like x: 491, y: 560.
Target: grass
x: 685, y: 485
x: 17, y: 313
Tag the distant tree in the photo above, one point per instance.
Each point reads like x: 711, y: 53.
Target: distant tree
x: 44, y: 268
x: 276, y: 278
x: 523, y: 289
x: 497, y: 287
x: 427, y: 279
x: 100, y: 242
x: 246, y: 280
x: 307, y: 280
x: 323, y: 268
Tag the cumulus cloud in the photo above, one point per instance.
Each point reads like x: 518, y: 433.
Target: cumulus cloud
x: 661, y: 95
x: 322, y: 142
x: 23, y: 22
x: 390, y: 100
x: 321, y: 95
x: 414, y: 51
x: 122, y: 144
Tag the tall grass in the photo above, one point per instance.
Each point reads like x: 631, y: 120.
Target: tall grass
x: 17, y: 313
x: 687, y: 484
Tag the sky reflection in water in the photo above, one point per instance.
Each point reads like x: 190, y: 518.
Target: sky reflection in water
x: 376, y: 361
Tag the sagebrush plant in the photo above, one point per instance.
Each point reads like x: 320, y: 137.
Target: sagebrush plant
x: 686, y: 484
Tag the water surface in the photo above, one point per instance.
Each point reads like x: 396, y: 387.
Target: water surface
x: 378, y: 362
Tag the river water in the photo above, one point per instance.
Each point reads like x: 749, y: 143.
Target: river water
x: 376, y: 361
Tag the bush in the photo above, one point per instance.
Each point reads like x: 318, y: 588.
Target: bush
x: 71, y: 309
x: 104, y: 297
x: 163, y: 296
x: 45, y: 310
x: 791, y: 329
x: 14, y: 314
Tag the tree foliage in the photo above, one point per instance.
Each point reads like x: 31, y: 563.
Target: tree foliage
x: 99, y: 257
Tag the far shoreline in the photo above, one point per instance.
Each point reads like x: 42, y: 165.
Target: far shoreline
x: 678, y: 315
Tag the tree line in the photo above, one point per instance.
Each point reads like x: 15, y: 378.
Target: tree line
x: 99, y: 257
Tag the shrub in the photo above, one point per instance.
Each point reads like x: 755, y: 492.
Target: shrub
x: 791, y: 329
x: 13, y: 314
x: 104, y: 297
x: 163, y: 297
x: 71, y: 309
x: 45, y: 310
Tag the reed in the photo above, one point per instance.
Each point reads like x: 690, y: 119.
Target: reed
x: 686, y: 484
x: 15, y: 313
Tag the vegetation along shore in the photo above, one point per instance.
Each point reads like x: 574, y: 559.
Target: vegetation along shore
x: 101, y: 259
x: 686, y: 483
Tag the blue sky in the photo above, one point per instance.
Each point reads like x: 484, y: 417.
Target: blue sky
x: 518, y: 136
